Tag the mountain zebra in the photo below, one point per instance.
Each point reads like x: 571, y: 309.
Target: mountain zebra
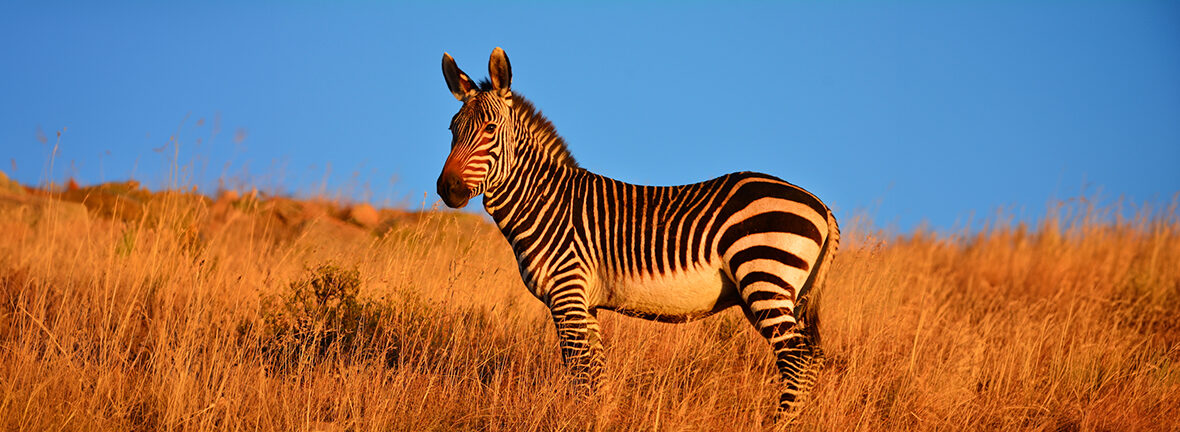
x: 586, y: 242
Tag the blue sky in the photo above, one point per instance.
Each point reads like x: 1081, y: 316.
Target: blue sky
x: 909, y: 111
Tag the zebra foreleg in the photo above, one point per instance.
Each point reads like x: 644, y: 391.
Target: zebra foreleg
x: 581, y: 346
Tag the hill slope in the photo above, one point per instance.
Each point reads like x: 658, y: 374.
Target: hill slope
x: 122, y: 309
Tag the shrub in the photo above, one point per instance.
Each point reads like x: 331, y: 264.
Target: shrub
x: 320, y: 318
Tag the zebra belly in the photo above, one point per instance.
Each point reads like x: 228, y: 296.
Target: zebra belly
x: 679, y: 296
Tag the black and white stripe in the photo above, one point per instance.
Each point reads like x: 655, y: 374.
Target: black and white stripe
x: 586, y: 242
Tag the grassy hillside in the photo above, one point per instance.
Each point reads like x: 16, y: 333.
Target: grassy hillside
x: 122, y: 309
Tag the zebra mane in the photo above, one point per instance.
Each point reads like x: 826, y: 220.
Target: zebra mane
x: 545, y: 140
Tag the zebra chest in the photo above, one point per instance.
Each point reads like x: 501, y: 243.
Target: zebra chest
x: 677, y: 296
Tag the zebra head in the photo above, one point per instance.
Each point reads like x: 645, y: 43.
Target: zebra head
x: 482, y: 131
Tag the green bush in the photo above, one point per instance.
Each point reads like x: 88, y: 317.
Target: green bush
x: 321, y: 318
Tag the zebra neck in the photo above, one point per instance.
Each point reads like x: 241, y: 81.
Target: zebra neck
x: 535, y: 188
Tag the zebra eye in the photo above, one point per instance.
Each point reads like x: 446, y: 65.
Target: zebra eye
x: 490, y: 128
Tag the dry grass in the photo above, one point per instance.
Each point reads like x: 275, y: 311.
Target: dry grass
x: 170, y: 311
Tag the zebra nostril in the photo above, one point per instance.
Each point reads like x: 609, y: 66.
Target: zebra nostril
x: 459, y: 189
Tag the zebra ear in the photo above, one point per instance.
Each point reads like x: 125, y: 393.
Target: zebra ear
x: 500, y: 70
x: 460, y: 84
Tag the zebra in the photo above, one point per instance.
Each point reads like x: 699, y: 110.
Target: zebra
x: 585, y: 242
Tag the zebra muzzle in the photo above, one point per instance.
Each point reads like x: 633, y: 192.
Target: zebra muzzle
x: 453, y: 191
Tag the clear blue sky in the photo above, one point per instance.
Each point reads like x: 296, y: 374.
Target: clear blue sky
x: 911, y: 111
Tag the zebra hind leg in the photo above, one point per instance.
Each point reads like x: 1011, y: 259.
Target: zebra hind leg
x: 796, y: 349
x: 799, y: 360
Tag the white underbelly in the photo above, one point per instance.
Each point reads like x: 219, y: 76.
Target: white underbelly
x: 677, y: 296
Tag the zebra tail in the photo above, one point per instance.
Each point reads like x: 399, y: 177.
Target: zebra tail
x: 808, y: 306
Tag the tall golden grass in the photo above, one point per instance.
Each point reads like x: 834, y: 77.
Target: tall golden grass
x: 171, y: 311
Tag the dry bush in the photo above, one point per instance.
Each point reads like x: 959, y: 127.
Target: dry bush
x: 262, y: 313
